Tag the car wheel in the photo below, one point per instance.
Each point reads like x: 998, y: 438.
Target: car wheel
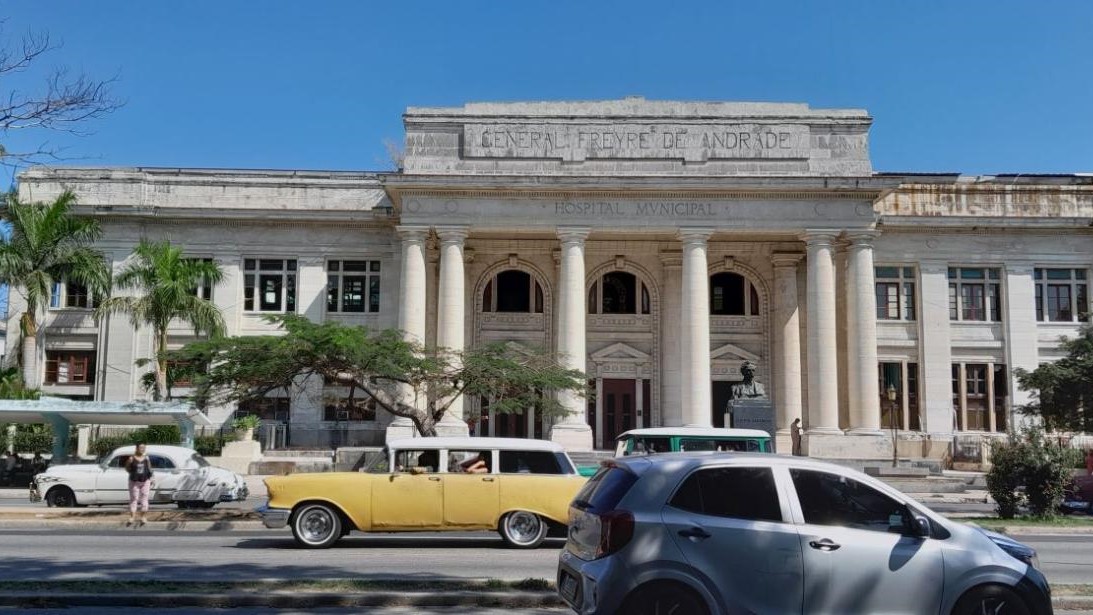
x: 990, y: 600
x: 664, y: 598
x: 316, y: 526
x: 204, y: 504
x: 523, y: 530
x: 61, y: 497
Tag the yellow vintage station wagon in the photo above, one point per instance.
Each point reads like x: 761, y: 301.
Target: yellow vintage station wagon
x: 517, y: 487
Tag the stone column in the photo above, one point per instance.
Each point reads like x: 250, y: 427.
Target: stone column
x: 696, y: 394
x: 936, y: 350
x: 861, y: 320
x: 411, y: 310
x: 671, y: 409
x: 572, y: 431
x: 787, y: 348
x: 823, y: 383
x: 1019, y: 324
x: 450, y: 321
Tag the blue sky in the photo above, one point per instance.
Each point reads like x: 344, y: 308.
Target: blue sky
x: 972, y: 86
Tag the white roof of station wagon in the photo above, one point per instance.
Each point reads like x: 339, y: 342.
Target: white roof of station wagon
x: 695, y: 431
x: 475, y: 443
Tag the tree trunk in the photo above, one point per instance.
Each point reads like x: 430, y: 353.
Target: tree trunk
x: 30, y: 351
x: 160, y: 348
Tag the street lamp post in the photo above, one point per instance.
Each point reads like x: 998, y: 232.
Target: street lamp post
x: 892, y: 421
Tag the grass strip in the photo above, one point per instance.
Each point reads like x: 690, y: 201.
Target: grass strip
x: 92, y: 586
x: 1060, y: 521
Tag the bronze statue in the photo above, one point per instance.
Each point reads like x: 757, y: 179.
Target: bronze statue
x: 749, y: 388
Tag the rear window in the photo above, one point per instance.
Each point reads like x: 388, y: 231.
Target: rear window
x: 717, y: 444
x: 740, y: 493
x: 605, y: 489
x: 530, y: 462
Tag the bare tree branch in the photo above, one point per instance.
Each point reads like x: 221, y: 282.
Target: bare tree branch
x: 63, y: 103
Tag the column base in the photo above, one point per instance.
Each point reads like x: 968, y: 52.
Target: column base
x: 400, y: 428
x: 869, y: 431
x: 572, y: 436
x: 452, y: 426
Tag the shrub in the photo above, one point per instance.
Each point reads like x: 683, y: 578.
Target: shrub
x: 1041, y: 466
x: 104, y: 446
x: 208, y: 446
x: 3, y: 436
x: 1006, y: 475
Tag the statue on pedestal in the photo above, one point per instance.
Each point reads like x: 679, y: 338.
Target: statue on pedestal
x: 749, y: 388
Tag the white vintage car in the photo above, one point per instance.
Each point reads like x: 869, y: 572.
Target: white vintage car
x: 181, y: 475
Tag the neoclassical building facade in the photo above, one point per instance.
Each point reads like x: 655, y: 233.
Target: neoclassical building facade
x: 654, y: 245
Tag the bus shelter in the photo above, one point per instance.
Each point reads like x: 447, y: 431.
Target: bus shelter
x: 62, y: 413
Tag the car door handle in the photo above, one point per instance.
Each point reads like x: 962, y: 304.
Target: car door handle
x: 694, y: 532
x: 824, y: 545
x: 487, y: 479
x: 436, y: 478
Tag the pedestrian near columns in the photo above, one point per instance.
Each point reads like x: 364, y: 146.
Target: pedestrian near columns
x: 141, y: 480
x: 795, y: 436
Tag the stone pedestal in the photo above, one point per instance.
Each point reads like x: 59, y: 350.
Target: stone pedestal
x: 572, y: 436
x: 400, y: 428
x: 451, y: 426
x: 751, y: 414
x: 237, y: 456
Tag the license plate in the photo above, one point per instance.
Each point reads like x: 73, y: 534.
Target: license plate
x: 569, y: 587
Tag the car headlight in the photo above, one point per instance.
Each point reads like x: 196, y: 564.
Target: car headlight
x: 1017, y: 550
x: 42, y: 479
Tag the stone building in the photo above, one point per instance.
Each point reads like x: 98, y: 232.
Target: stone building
x: 655, y: 245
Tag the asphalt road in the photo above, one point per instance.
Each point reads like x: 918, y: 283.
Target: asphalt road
x: 246, y: 555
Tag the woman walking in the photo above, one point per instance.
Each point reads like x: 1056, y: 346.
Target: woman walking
x: 140, y: 484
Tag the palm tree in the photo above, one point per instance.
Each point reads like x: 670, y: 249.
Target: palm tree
x: 47, y: 245
x: 166, y: 284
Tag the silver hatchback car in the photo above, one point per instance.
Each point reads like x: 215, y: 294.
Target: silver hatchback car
x: 705, y: 533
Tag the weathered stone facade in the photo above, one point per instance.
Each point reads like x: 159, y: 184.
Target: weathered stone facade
x: 655, y: 245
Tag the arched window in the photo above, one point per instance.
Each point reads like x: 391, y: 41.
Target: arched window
x: 513, y: 291
x: 617, y: 292
x: 732, y: 295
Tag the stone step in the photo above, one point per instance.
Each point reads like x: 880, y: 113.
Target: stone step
x: 298, y: 453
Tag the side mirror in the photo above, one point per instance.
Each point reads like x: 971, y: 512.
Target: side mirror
x: 920, y: 526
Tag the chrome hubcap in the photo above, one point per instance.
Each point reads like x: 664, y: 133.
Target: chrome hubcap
x: 315, y: 524
x: 523, y: 527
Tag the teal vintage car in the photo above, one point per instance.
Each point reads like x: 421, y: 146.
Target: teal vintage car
x: 677, y: 439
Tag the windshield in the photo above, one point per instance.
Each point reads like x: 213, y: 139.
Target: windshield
x: 199, y: 460
x: 377, y: 464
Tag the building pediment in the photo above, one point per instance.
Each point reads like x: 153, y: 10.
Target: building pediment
x: 731, y: 352
x: 620, y: 352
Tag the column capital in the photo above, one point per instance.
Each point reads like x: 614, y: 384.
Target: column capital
x: 786, y: 259
x: 573, y: 234
x: 455, y: 234
x: 820, y: 237
x: 694, y: 236
x: 861, y: 238
x: 412, y: 233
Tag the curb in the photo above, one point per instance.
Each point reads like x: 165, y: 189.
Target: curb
x: 1072, y: 603
x: 223, y: 525
x: 287, y: 600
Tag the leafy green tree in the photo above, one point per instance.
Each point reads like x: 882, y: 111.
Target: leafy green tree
x: 47, y: 244
x: 166, y: 283
x: 399, y: 375
x: 1034, y: 461
x: 1062, y: 391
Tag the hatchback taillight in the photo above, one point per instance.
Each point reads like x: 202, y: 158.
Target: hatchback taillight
x: 592, y: 536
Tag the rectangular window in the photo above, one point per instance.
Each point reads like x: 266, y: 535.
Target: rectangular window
x: 70, y: 295
x: 975, y: 294
x: 269, y: 285
x: 66, y: 367
x: 353, y: 286
x: 895, y: 291
x: 267, y: 408
x: 1061, y: 295
x: 205, y: 290
x: 360, y: 410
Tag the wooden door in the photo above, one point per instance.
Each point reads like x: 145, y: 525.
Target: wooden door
x: 619, y: 408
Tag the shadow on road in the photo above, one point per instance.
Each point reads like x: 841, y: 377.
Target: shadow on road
x: 416, y: 541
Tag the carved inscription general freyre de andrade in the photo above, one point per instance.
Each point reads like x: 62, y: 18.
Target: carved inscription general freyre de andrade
x: 636, y: 141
